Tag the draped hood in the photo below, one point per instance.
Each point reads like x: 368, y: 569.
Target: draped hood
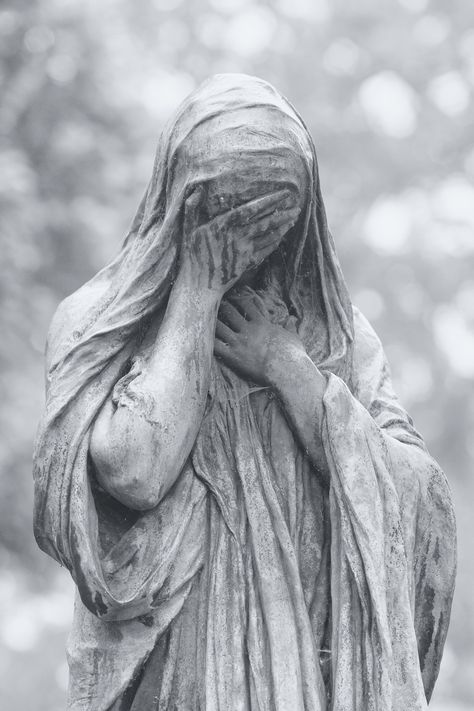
x: 210, y: 137
x: 386, y: 583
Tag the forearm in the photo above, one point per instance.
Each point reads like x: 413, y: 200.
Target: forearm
x: 178, y: 370
x: 142, y: 445
x: 300, y: 387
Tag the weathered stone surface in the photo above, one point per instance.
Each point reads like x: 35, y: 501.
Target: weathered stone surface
x: 249, y: 515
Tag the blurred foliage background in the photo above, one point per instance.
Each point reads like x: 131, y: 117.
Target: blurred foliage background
x: 386, y: 88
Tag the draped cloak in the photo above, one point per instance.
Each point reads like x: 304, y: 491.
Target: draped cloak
x: 250, y: 586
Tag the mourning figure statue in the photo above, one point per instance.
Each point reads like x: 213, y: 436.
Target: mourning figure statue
x: 250, y: 517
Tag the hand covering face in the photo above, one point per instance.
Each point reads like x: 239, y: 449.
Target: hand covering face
x: 384, y: 586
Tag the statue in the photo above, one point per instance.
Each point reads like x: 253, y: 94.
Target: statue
x: 251, y: 520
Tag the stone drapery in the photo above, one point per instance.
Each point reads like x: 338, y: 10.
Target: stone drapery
x: 304, y: 599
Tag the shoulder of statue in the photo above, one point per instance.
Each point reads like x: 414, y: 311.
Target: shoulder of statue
x: 69, y: 320
x: 369, y: 360
x: 57, y: 328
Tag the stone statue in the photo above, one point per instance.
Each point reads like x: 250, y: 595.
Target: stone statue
x: 249, y: 515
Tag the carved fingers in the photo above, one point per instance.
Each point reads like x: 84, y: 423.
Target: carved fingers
x: 242, y: 338
x: 227, y: 245
x: 231, y: 316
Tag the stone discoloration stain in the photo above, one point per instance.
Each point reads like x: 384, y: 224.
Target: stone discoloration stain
x: 289, y: 544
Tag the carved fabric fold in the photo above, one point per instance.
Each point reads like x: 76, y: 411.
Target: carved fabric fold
x: 95, y: 330
x: 301, y: 601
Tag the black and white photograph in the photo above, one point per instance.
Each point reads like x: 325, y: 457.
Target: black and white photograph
x: 237, y: 280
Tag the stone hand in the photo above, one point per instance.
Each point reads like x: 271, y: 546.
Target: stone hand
x: 251, y: 345
x: 217, y: 253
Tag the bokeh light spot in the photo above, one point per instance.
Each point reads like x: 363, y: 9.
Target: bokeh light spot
x: 466, y: 52
x: 431, y: 30
x: 455, y: 339
x: 315, y: 10
x: 173, y: 34
x: 62, y: 68
x: 388, y: 225
x: 341, y: 57
x: 370, y: 302
x: 411, y: 299
x: 229, y: 6
x: 250, y: 32
x: 465, y: 300
x: 19, y: 632
x: 415, y: 379
x: 414, y: 5
x: 163, y: 92
x: 39, y: 38
x: 9, y: 21
x: 16, y: 174
x: 167, y: 5
x: 389, y: 104
x: 450, y: 93
x: 412, y: 374
x: 210, y: 29
x: 453, y: 199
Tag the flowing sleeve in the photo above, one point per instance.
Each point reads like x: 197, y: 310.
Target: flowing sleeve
x: 125, y: 564
x: 393, y: 541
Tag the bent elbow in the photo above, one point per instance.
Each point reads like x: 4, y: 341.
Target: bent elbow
x: 124, y: 473
x: 134, y: 479
x: 132, y: 464
x: 132, y: 491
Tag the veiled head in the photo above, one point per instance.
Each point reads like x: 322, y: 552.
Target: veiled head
x: 237, y: 139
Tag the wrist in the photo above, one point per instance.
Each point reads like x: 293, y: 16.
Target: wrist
x: 197, y: 278
x: 290, y: 369
x: 196, y: 287
x: 283, y: 362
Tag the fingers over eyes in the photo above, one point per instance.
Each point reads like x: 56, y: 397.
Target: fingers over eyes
x: 271, y: 207
x: 263, y: 206
x: 270, y: 238
x: 280, y: 221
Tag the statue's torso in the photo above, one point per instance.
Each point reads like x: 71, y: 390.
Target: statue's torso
x: 231, y: 618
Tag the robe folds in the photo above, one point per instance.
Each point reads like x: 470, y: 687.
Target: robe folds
x: 252, y: 586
